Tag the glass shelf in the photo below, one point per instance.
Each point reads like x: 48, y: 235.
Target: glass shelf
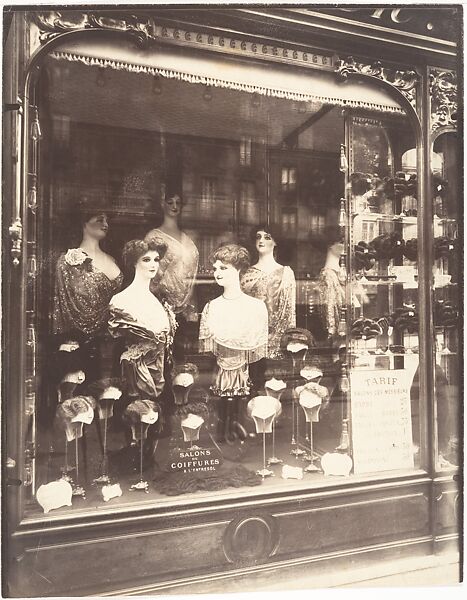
x: 442, y: 220
x: 412, y: 285
x: 369, y: 216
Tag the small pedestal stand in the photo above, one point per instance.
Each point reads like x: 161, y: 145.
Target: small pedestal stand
x: 77, y: 489
x: 263, y: 411
x: 106, y: 410
x: 66, y: 469
x: 311, y: 403
x: 104, y: 477
x: 297, y: 350
x: 142, y: 485
x: 274, y: 388
x: 191, y: 426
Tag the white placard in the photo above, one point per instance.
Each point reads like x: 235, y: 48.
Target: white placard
x: 381, y: 420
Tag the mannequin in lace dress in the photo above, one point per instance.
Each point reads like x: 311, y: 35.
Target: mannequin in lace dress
x: 234, y: 327
x: 331, y: 283
x: 86, y: 278
x: 178, y: 268
x: 273, y: 283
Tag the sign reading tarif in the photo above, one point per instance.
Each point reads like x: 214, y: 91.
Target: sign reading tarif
x: 381, y: 420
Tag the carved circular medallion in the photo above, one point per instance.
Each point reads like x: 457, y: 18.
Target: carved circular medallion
x: 250, y: 539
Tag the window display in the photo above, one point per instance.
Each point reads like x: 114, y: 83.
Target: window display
x: 446, y: 297
x: 239, y: 309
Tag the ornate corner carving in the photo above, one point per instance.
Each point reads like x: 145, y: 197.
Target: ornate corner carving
x: 405, y: 81
x: 53, y: 23
x: 16, y: 235
x: 443, y: 95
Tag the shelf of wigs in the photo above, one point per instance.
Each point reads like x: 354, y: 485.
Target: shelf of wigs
x: 404, y: 217
x: 289, y: 439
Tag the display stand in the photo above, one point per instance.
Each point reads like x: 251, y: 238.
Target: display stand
x: 66, y: 469
x: 78, y: 490
x: 105, y: 407
x: 141, y: 485
x: 274, y: 388
x: 191, y: 427
x: 263, y: 410
x: 298, y: 352
x: 310, y: 401
x: 104, y: 476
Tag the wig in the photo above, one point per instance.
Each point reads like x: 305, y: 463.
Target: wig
x: 85, y: 211
x: 137, y: 409
x: 172, y: 191
x: 273, y: 230
x: 232, y: 254
x: 332, y: 234
x: 135, y: 249
x: 73, y: 407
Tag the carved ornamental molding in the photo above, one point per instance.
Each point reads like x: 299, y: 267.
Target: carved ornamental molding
x: 404, y: 81
x: 53, y: 23
x: 146, y: 30
x: 443, y: 95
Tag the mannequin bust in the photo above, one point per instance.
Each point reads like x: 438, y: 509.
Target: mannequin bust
x: 86, y: 279
x: 272, y: 283
x: 140, y: 414
x: 146, y: 323
x: 234, y: 325
x: 178, y: 268
x: 75, y: 412
x: 331, y: 282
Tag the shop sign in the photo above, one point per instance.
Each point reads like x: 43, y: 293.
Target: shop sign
x: 241, y: 47
x: 194, y: 460
x: 381, y: 420
x: 442, y: 22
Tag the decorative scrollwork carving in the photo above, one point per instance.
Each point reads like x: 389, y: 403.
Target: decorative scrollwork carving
x: 443, y: 94
x: 404, y: 81
x: 16, y: 235
x: 53, y: 23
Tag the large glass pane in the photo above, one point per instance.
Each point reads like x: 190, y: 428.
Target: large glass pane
x: 260, y: 385
x: 384, y: 355
x: 447, y: 261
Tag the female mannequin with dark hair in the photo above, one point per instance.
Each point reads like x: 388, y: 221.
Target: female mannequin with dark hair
x: 86, y: 278
x: 146, y: 324
x: 273, y: 283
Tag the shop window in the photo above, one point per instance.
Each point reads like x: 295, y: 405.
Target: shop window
x: 446, y: 299
x: 289, y: 179
x: 296, y: 346
x: 249, y: 209
x: 245, y: 152
x: 208, y: 195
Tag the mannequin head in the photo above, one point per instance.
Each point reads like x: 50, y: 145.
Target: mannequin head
x: 92, y: 219
x: 79, y: 409
x: 266, y: 239
x: 95, y: 226
x: 172, y: 205
x: 334, y: 241
x: 144, y: 257
x: 229, y: 262
x: 76, y: 377
x: 141, y: 411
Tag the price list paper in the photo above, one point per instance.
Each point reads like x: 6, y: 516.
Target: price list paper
x: 381, y: 420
